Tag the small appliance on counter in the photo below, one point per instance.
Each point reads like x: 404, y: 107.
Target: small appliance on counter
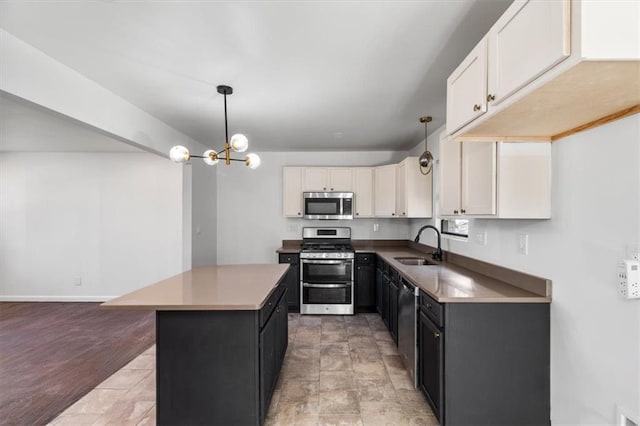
x: 328, y: 205
x: 326, y: 271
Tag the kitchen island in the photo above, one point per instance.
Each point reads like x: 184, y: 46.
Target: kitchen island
x: 221, y: 337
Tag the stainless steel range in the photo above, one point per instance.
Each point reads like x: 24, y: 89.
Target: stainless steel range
x: 326, y: 271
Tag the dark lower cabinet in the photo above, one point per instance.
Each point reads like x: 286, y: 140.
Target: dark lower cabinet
x: 379, y: 283
x: 292, y: 280
x: 393, y: 309
x: 365, y: 282
x: 219, y: 367
x: 430, y: 371
x: 385, y: 300
x: 493, y: 366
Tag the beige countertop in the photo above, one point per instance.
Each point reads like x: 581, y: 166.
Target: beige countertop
x: 224, y: 287
x: 448, y: 282
x: 453, y: 284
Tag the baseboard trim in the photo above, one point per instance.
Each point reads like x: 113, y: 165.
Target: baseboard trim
x: 55, y: 298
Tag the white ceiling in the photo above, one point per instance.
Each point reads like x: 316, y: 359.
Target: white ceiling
x: 25, y: 127
x: 307, y: 75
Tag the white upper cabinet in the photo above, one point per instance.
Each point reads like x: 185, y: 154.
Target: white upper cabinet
x: 315, y: 179
x: 385, y: 191
x: 495, y: 179
x: 338, y: 179
x: 450, y: 174
x: 553, y: 68
x: 467, y: 89
x: 413, y: 190
x: 521, y: 49
x: 363, y: 190
x: 478, y: 178
x: 341, y: 179
x: 292, y: 191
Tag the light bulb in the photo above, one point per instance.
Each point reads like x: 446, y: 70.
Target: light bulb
x: 239, y: 142
x: 179, y: 154
x: 252, y: 161
x: 210, y: 157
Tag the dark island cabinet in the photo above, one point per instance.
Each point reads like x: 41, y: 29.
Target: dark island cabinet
x: 493, y: 366
x: 273, y: 345
x: 220, y: 367
x: 365, y: 282
x: 292, y: 280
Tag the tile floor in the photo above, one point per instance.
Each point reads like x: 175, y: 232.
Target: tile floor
x: 337, y: 371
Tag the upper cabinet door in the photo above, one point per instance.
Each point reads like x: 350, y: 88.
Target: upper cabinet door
x: 401, y: 190
x: 467, y: 89
x: 385, y: 191
x: 530, y: 38
x: 292, y: 191
x: 315, y: 179
x: 363, y: 189
x: 479, y: 178
x: 449, y: 176
x: 341, y: 179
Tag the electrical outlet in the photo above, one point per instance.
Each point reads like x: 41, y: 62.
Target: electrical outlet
x: 376, y: 227
x: 629, y: 279
x: 481, y: 238
x: 523, y: 244
x: 77, y: 281
x: 293, y: 228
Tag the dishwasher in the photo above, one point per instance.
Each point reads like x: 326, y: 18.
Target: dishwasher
x: 407, y: 328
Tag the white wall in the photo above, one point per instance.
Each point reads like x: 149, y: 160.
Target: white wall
x: 250, y: 222
x: 112, y: 219
x: 203, y: 214
x: 595, y: 334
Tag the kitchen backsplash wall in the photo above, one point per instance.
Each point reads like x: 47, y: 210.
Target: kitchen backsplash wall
x: 251, y: 225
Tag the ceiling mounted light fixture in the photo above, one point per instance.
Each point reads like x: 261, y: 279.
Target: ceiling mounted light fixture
x: 426, y: 159
x: 237, y: 143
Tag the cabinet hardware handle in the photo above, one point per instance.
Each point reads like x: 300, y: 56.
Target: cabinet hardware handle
x: 428, y: 305
x: 455, y: 212
x: 476, y: 107
x: 436, y: 335
x: 298, y: 213
x: 463, y: 211
x: 491, y: 98
x: 332, y: 189
x: 393, y: 214
x: 325, y: 188
x: 357, y: 214
x: 404, y: 214
x: 277, y: 309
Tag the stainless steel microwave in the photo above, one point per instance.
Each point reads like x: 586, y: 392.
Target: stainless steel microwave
x: 328, y: 205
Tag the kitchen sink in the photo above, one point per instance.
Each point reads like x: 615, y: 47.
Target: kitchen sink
x: 419, y: 261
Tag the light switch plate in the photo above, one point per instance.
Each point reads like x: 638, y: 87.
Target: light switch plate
x: 481, y: 238
x: 523, y: 244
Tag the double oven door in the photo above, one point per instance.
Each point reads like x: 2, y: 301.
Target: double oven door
x: 326, y: 286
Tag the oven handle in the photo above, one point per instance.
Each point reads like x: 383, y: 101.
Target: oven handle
x: 327, y: 262
x: 326, y: 285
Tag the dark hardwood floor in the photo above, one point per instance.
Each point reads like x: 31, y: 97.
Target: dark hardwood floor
x: 51, y: 354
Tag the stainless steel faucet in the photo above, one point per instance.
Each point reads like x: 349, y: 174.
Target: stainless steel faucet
x: 438, y: 253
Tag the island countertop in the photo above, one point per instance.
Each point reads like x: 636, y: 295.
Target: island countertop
x: 206, y: 288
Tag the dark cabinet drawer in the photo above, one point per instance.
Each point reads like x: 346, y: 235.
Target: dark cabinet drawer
x: 288, y: 258
x: 432, y: 309
x: 270, y: 304
x: 365, y: 258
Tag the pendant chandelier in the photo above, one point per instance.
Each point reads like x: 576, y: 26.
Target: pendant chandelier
x: 237, y: 143
x: 426, y: 159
